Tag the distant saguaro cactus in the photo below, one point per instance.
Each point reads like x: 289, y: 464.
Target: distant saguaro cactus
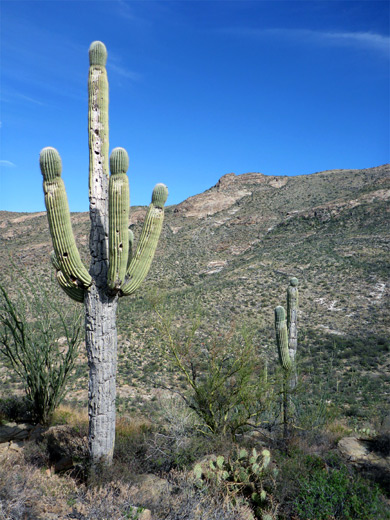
x: 114, y: 270
x: 287, y: 341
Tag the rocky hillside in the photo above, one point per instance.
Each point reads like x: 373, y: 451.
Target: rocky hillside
x: 234, y: 248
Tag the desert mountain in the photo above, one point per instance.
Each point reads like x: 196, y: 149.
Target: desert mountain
x: 234, y: 248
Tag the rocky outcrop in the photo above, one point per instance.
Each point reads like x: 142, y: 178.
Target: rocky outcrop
x: 371, y: 455
x: 229, y: 189
x: 209, y: 203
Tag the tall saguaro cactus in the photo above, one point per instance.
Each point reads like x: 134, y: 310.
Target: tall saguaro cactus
x: 287, y: 341
x: 114, y: 270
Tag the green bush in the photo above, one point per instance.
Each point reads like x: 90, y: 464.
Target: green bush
x: 332, y: 491
x: 225, y: 379
x: 16, y: 409
x: 31, y: 326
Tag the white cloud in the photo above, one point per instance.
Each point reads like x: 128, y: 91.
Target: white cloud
x: 125, y: 73
x: 368, y: 40
x: 362, y: 39
x: 7, y: 163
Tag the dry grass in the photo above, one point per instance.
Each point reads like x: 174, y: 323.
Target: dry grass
x: 74, y: 417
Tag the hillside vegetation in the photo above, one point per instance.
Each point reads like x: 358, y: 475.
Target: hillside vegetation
x: 224, y: 261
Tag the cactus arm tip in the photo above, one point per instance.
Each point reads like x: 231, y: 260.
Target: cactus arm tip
x: 159, y: 195
x: 50, y: 163
x: 280, y: 314
x: 97, y: 54
x: 119, y: 161
x: 294, y: 282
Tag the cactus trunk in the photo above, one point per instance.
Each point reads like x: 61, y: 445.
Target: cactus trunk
x: 101, y: 343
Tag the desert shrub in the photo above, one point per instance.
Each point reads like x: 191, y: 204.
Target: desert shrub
x: 226, y: 384
x: 325, y: 488
x: 16, y: 408
x: 31, y: 328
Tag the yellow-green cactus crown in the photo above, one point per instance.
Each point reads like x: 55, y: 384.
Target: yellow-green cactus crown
x: 294, y: 282
x: 50, y: 163
x: 97, y: 54
x: 280, y: 314
x: 119, y: 161
x: 159, y: 195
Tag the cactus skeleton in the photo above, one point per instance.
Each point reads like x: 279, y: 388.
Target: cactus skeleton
x: 115, y: 270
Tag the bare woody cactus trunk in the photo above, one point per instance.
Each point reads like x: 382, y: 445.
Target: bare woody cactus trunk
x: 114, y: 272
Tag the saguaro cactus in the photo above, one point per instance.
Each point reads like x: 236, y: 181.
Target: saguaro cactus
x: 286, y: 339
x: 114, y: 270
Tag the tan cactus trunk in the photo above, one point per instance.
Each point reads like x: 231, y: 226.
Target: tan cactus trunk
x: 101, y: 343
x: 100, y: 309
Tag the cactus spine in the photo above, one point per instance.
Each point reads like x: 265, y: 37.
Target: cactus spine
x: 114, y: 270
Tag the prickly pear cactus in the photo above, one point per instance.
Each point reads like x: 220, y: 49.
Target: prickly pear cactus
x: 115, y: 270
x: 241, y: 476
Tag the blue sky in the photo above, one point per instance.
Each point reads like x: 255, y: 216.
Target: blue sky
x: 198, y: 89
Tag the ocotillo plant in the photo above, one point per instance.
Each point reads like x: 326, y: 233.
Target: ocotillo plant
x: 114, y: 271
x: 286, y: 340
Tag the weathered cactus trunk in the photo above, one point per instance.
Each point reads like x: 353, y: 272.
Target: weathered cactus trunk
x: 114, y: 270
x: 100, y: 308
x: 101, y: 343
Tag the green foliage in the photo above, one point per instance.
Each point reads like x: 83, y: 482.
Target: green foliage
x: 326, y: 489
x: 223, y: 374
x: 16, y: 409
x: 335, y: 493
x: 31, y: 326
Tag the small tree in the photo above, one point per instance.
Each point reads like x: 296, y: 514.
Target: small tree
x: 30, y: 330
x: 225, y: 378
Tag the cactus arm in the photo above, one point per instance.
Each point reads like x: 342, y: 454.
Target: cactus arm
x: 142, y: 259
x: 119, y: 203
x: 282, y: 338
x: 59, y: 219
x: 74, y: 292
x: 130, y: 254
x: 292, y: 317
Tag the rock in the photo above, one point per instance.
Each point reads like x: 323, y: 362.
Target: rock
x: 363, y: 451
x: 19, y: 432
x: 13, y: 431
x: 145, y: 515
x: 372, y: 456
x: 65, y: 444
